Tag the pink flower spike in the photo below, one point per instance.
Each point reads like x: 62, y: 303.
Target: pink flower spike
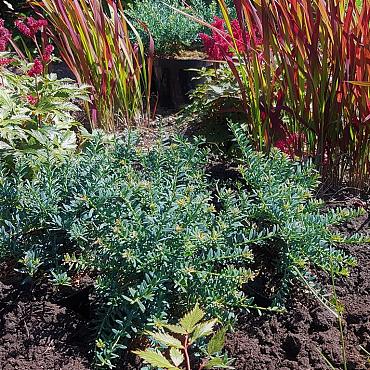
x: 6, y: 61
x: 222, y: 44
x: 33, y: 100
x: 5, y: 36
x: 31, y: 26
x: 36, y: 69
x: 49, y: 48
x: 47, y: 53
x: 36, y: 25
x: 23, y: 28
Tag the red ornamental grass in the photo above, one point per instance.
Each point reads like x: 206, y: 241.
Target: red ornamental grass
x: 317, y: 53
x: 96, y: 45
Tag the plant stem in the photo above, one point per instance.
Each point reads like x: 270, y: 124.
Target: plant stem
x: 186, y: 353
x: 201, y: 366
x: 340, y: 316
x: 343, y: 342
x: 38, y: 117
x: 322, y: 300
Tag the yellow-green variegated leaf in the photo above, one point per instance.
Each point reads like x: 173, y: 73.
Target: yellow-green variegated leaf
x: 156, y: 359
x: 191, y: 319
x: 175, y: 328
x: 217, y: 342
x: 177, y: 356
x: 217, y: 363
x: 203, y: 329
x: 165, y: 339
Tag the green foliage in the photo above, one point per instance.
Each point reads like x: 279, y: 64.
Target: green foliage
x: 145, y: 221
x: 60, y: 278
x: 192, y: 330
x: 30, y: 263
x: 46, y: 127
x: 160, y: 236
x: 171, y: 31
x: 36, y: 109
x: 282, y: 197
x: 216, y: 94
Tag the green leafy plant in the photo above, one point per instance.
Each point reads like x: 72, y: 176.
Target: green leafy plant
x: 152, y: 233
x: 96, y: 43
x: 30, y: 263
x: 283, y: 196
x: 46, y: 128
x: 216, y: 95
x: 60, y: 278
x: 188, y: 332
x: 160, y: 236
x: 36, y: 109
x: 172, y: 32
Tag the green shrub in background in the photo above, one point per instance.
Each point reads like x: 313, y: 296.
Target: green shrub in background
x: 216, y: 96
x: 282, y: 196
x: 160, y: 236
x: 172, y: 32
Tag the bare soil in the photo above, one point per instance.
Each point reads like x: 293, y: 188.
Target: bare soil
x: 40, y: 328
x: 308, y: 335
x: 308, y: 332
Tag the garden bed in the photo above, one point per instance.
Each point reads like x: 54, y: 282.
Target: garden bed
x: 301, y: 337
x: 41, y: 328
x: 118, y: 217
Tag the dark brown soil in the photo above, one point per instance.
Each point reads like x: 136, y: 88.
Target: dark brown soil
x: 41, y: 328
x: 308, y: 332
x: 36, y: 332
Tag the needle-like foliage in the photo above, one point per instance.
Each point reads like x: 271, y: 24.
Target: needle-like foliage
x: 159, y: 236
